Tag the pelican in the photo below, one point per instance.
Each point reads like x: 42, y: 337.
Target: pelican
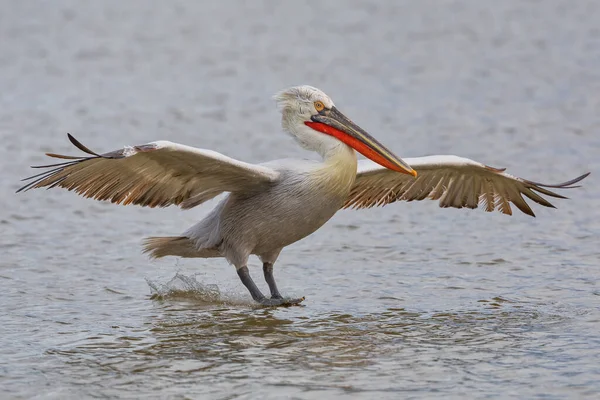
x: 271, y: 205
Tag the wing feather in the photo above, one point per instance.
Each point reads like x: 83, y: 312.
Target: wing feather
x: 157, y: 174
x: 453, y: 181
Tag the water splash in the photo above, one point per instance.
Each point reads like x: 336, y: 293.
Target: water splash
x: 186, y: 287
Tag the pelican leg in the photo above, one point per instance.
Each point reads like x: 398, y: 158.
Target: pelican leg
x: 257, y: 295
x: 268, y: 271
x: 255, y: 292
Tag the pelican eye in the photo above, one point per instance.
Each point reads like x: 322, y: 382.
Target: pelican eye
x: 319, y: 106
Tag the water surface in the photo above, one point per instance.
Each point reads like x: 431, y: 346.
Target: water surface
x: 407, y: 301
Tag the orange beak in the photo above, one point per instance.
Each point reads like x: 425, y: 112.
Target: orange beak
x: 334, y: 123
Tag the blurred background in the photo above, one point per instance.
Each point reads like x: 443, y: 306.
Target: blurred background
x: 408, y: 300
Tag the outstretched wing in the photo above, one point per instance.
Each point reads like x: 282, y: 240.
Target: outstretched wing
x: 454, y: 181
x: 157, y: 174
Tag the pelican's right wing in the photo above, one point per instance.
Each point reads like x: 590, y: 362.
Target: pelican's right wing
x: 157, y: 174
x: 455, y: 181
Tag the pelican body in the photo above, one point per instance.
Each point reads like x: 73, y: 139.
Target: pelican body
x: 272, y: 205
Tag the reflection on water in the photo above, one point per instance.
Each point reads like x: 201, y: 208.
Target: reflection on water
x: 192, y: 333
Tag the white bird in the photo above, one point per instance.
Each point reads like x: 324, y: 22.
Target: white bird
x: 274, y: 204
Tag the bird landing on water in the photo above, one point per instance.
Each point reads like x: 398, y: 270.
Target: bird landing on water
x: 274, y: 204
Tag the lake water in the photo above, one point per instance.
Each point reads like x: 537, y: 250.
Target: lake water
x: 406, y: 301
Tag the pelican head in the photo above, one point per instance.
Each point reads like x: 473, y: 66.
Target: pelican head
x: 312, y: 118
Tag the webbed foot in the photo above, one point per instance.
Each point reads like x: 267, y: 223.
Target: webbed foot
x: 280, y: 302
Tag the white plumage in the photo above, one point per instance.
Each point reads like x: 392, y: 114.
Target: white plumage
x: 274, y: 204
x: 159, y: 174
x: 455, y: 181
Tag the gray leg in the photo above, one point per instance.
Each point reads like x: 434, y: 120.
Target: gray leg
x: 268, y: 271
x: 256, y: 294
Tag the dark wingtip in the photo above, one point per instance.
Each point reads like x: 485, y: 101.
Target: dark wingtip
x: 564, y: 185
x: 80, y: 146
x: 528, y: 212
x: 58, y: 166
x: 54, y: 155
x: 556, y: 195
x: 574, y: 181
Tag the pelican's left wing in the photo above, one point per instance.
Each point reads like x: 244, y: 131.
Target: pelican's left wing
x: 157, y: 174
x: 454, y: 181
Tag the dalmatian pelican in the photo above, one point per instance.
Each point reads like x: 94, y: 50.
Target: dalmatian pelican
x: 271, y: 205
